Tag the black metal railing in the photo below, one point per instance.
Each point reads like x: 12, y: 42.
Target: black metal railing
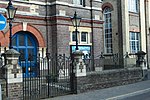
x: 102, y: 62
x: 53, y: 78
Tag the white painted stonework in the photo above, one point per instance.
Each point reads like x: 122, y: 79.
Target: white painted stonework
x: 24, y: 26
x: 80, y: 69
x: 11, y: 76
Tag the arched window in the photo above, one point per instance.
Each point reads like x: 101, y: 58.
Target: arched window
x: 107, y: 30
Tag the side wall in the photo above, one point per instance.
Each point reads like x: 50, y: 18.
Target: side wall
x: 107, y: 79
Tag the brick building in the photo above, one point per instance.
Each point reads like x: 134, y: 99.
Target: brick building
x: 111, y: 32
x: 107, y: 26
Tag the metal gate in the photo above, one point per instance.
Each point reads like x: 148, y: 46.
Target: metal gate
x: 54, y: 78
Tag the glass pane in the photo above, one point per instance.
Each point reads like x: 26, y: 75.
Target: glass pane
x: 22, y: 54
x: 106, y: 25
x: 106, y: 30
x: 14, y: 42
x: 81, y: 2
x: 30, y: 55
x: 137, y: 36
x: 83, y: 36
x: 133, y: 5
x: 73, y: 36
x: 29, y: 42
x: 21, y: 40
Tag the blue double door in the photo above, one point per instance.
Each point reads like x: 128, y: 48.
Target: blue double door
x: 26, y: 44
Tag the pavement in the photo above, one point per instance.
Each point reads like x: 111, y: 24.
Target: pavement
x: 113, y: 93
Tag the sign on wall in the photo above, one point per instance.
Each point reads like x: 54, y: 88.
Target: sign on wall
x: 2, y: 22
x: 85, y: 49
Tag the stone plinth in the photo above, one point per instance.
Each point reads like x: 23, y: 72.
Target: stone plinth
x: 79, y: 65
x: 13, y: 76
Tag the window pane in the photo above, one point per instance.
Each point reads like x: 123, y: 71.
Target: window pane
x: 14, y: 41
x: 73, y: 36
x: 106, y: 30
x: 22, y: 54
x: 78, y: 2
x: 21, y: 40
x: 133, y: 5
x: 84, y: 37
x: 29, y: 42
x: 30, y: 55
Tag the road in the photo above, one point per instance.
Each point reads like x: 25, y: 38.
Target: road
x: 136, y: 91
x: 144, y: 96
x: 136, y: 95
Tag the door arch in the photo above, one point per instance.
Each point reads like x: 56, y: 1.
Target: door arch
x: 26, y: 44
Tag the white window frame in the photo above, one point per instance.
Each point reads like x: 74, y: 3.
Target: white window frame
x: 87, y: 42
x: 134, y: 42
x: 21, y: 0
x: 78, y: 2
x: 98, y: 0
x: 133, y: 5
x: 107, y: 31
x: 86, y: 38
x: 73, y: 33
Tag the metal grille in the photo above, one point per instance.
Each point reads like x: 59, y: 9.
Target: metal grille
x: 53, y: 78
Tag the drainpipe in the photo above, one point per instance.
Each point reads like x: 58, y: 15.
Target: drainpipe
x: 140, y: 25
x: 47, y: 48
x: 92, y: 47
x: 46, y: 20
x: 146, y: 29
x: 120, y: 35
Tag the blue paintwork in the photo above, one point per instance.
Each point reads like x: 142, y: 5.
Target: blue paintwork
x: 22, y: 45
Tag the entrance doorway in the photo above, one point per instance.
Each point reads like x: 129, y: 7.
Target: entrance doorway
x: 26, y: 44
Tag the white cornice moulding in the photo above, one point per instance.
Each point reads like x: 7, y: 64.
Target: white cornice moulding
x: 27, y: 13
x: 98, y: 0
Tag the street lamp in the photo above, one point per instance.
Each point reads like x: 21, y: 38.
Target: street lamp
x: 76, y: 23
x: 11, y: 11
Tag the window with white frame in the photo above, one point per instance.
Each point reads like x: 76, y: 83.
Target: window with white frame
x: 83, y: 37
x: 99, y: 0
x: 133, y: 5
x: 107, y: 30
x: 73, y: 36
x: 20, y: 0
x: 79, y: 2
x: 134, y: 42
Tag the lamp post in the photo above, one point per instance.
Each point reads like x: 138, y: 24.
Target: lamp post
x: 11, y: 11
x: 76, y: 23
